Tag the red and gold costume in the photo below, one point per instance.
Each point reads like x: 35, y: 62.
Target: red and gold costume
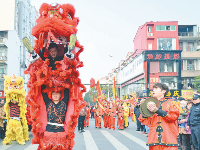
x: 120, y: 117
x: 109, y: 118
x: 163, y: 124
x: 86, y: 123
x: 97, y: 116
x: 132, y: 112
x: 112, y: 116
x: 55, y: 21
x: 105, y: 116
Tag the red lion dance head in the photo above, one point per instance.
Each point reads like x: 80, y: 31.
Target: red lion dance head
x: 55, y: 21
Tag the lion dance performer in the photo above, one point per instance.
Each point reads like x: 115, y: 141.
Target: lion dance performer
x: 97, y: 116
x: 163, y: 124
x: 15, y: 108
x: 86, y: 122
x: 120, y: 121
x: 56, y: 92
x: 126, y: 114
x: 113, y: 114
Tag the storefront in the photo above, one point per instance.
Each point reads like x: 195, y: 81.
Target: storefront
x: 163, y: 66
x: 131, y: 77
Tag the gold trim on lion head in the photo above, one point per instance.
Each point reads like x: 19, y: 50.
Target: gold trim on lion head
x: 14, y: 85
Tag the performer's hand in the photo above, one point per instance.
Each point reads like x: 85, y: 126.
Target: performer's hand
x: 64, y: 40
x: 45, y: 42
x: 152, y: 107
x: 188, y: 127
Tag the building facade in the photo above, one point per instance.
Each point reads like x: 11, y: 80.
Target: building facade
x: 190, y: 46
x: 158, y: 44
x: 19, y: 16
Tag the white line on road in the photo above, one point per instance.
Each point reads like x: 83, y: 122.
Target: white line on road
x: 32, y: 147
x: 4, y: 147
x: 134, y: 139
x: 89, y: 141
x: 117, y: 144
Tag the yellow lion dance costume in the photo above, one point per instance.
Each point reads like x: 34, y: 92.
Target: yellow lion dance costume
x: 17, y: 128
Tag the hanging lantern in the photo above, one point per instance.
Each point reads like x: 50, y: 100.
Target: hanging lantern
x: 92, y: 83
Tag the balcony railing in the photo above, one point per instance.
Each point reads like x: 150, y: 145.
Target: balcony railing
x: 185, y: 34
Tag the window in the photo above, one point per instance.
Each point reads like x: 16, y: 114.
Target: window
x: 171, y: 82
x: 166, y: 28
x: 173, y: 28
x: 1, y: 70
x: 149, y: 29
x: 150, y: 46
x: 157, y: 28
x: 166, y: 43
x: 181, y: 46
x: 166, y: 66
x: 189, y: 46
x: 2, y: 34
x: 190, y: 65
x: 162, y: 28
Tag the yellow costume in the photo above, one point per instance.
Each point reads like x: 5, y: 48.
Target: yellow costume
x: 17, y: 128
x: 126, y: 114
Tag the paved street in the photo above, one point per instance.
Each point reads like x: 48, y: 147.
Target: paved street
x: 97, y: 139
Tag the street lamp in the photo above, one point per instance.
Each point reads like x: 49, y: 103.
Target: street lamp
x: 120, y: 75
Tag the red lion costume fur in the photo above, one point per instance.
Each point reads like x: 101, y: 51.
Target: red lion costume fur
x: 55, y: 21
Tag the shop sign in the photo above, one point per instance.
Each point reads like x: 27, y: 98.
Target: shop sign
x: 133, y: 69
x: 152, y: 81
x: 164, y: 74
x: 162, y: 55
x: 171, y: 93
x: 187, y: 93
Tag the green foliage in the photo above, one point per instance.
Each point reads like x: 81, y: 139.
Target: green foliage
x: 89, y: 95
x: 197, y: 83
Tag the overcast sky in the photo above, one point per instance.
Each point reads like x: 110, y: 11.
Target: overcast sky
x: 108, y: 27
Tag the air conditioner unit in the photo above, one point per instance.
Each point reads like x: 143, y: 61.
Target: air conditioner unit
x: 198, y: 47
x: 149, y: 34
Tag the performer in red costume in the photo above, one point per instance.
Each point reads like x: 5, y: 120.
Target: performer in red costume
x: 163, y: 124
x: 55, y: 21
x: 105, y: 115
x: 120, y: 116
x: 112, y: 116
x: 109, y: 117
x: 97, y: 116
x: 86, y: 123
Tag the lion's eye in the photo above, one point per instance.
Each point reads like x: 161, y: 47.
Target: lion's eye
x: 69, y: 16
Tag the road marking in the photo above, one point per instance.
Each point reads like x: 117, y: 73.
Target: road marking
x: 32, y: 147
x: 117, y: 144
x: 4, y: 147
x: 135, y: 139
x: 89, y: 141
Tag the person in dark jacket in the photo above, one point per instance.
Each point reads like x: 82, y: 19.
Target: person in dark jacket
x: 91, y: 111
x: 53, y: 53
x: 194, y: 121
x: 137, y: 114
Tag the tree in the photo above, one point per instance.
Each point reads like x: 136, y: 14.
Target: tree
x: 197, y: 83
x: 89, y: 97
